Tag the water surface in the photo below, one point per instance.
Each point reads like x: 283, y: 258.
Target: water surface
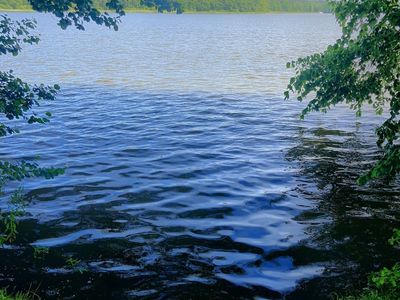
x: 187, y: 175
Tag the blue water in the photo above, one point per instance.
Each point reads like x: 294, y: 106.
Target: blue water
x: 187, y: 174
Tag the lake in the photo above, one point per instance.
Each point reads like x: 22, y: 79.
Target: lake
x: 187, y: 174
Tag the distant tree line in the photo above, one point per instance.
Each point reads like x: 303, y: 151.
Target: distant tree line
x: 14, y: 4
x: 254, y: 5
x: 210, y: 5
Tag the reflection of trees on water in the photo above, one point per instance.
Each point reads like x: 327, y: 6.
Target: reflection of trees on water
x: 350, y: 224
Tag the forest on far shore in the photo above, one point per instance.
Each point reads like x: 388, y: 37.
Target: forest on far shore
x: 209, y: 5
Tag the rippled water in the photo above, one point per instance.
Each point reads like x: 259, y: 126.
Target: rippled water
x: 187, y: 175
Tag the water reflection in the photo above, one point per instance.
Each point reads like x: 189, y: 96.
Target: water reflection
x: 227, y: 198
x: 168, y: 198
x: 350, y: 225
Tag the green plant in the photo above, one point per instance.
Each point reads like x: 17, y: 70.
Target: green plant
x: 389, y: 278
x: 18, y: 98
x: 71, y: 262
x: 19, y: 296
x: 386, y: 282
x: 16, y: 209
x: 40, y: 252
x: 369, y: 295
x: 361, y: 68
x: 395, y: 239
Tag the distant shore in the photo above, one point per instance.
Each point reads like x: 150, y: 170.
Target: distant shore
x: 147, y: 11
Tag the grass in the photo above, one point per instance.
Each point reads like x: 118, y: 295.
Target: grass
x: 19, y: 296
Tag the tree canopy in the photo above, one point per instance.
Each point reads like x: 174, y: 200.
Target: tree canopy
x: 76, y: 12
x: 17, y: 98
x: 362, y: 67
x: 164, y: 5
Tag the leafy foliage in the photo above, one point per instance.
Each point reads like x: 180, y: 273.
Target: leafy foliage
x: 164, y: 5
x: 18, y: 98
x: 71, y: 262
x: 385, y: 282
x: 18, y: 171
x: 76, y: 12
x: 40, y: 253
x: 388, y: 279
x: 14, y: 33
x: 395, y: 239
x: 9, y: 220
x: 362, y: 67
x: 74, y: 264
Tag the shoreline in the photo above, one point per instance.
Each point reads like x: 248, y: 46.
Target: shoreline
x: 211, y: 12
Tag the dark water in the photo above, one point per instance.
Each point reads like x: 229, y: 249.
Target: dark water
x: 187, y: 175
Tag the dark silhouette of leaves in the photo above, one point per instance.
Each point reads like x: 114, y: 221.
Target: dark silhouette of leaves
x: 362, y: 67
